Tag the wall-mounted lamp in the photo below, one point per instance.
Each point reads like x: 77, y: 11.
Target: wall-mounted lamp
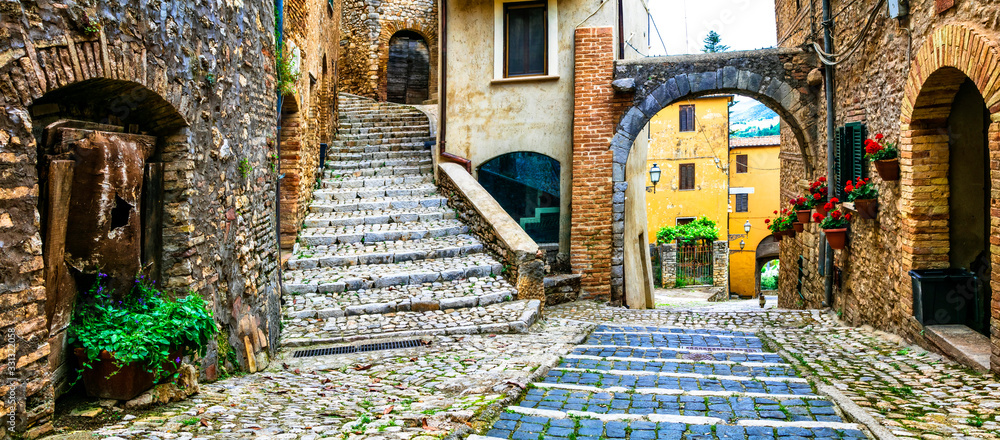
x: 742, y: 245
x: 654, y: 176
x: 746, y: 227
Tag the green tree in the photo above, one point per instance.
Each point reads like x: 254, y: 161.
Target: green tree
x: 713, y: 43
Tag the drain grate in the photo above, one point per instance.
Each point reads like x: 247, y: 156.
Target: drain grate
x: 724, y: 349
x: 394, y: 345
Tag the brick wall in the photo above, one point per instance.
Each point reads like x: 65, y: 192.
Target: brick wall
x: 596, y: 111
x: 900, y: 83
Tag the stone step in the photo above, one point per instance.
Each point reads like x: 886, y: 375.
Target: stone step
x: 368, y: 276
x: 346, y: 181
x: 347, y: 165
x: 383, y: 155
x: 382, y: 171
x: 373, y: 233
x: 597, y: 381
x: 675, y: 353
x: 418, y: 190
x: 513, y: 316
x: 386, y: 203
x: 402, y: 132
x: 397, y: 251
x: 353, y: 147
x: 384, y: 127
x: 378, y: 216
x: 672, y: 366
x: 456, y: 294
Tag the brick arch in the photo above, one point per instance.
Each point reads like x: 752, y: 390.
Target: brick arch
x: 951, y: 55
x: 763, y: 75
x: 427, y: 31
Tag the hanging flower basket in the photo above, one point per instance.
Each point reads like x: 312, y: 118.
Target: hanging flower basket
x: 836, y: 237
x: 799, y: 226
x: 778, y: 236
x: 821, y: 209
x: 790, y: 233
x: 888, y: 169
x: 803, y: 216
x: 867, y: 208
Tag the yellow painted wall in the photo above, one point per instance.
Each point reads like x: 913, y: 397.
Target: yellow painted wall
x: 706, y: 147
x: 763, y: 175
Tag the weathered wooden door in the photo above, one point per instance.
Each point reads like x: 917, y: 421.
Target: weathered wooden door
x: 408, y: 69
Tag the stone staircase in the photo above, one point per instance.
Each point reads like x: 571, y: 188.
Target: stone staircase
x: 380, y: 253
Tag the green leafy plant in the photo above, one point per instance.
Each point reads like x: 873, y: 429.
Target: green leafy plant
x: 860, y: 190
x: 700, y: 229
x: 879, y: 149
x: 782, y: 222
x: 244, y: 167
x: 800, y: 204
x: 833, y: 219
x: 141, y: 327
x: 817, y: 192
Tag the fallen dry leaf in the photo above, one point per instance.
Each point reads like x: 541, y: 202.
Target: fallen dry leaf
x: 388, y: 410
x: 363, y: 367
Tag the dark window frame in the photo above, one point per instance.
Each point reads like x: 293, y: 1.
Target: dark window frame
x: 743, y: 166
x: 742, y: 200
x: 506, y: 37
x: 686, y: 182
x: 686, y: 118
x: 683, y: 220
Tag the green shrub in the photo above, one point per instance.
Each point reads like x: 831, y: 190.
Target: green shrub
x: 768, y: 283
x: 700, y: 229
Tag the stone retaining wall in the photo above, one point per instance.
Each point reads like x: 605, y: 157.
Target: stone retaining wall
x: 524, y: 262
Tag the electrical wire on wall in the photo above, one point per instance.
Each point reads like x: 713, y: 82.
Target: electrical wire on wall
x: 832, y: 59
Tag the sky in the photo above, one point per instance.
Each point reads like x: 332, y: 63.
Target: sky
x: 743, y: 24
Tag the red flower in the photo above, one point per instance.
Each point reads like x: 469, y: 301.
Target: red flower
x: 767, y: 220
x: 828, y: 206
x: 849, y: 187
x: 848, y: 216
x: 835, y: 214
x: 817, y: 217
x: 879, y: 136
x: 817, y: 196
x: 834, y: 200
x: 775, y: 211
x: 822, y: 179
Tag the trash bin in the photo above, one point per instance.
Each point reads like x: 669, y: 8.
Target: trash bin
x: 944, y: 296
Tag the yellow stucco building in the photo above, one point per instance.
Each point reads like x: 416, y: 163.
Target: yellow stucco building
x: 754, y: 194
x: 689, y: 143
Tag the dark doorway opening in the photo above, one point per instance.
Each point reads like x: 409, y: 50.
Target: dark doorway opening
x: 408, y: 69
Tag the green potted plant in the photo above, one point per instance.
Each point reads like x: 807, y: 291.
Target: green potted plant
x: 834, y: 225
x: 776, y: 225
x: 864, y: 194
x: 802, y: 208
x: 884, y: 155
x: 127, y: 343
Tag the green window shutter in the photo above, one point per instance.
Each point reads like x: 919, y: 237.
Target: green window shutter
x: 859, y: 134
x: 839, y: 172
x: 850, y: 156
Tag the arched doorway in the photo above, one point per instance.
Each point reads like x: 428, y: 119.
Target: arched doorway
x: 408, y: 68
x: 767, y: 252
x: 526, y: 185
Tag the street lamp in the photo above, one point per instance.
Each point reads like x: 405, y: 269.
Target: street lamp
x: 654, y: 176
x: 746, y: 227
x: 742, y: 245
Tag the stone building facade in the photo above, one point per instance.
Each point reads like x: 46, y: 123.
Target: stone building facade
x: 311, y: 32
x: 198, y: 91
x: 368, y: 28
x: 912, y: 79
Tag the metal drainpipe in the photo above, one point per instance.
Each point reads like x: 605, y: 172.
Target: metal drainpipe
x: 279, y: 39
x: 828, y: 83
x: 443, y: 71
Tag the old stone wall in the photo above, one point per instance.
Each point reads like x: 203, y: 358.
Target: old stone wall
x: 312, y: 27
x: 202, y: 82
x: 668, y: 264
x: 879, y: 85
x: 524, y: 262
x: 366, y: 28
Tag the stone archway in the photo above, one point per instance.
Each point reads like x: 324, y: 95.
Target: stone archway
x: 775, y: 77
x: 426, y: 31
x: 939, y: 69
x: 407, y: 71
x: 767, y: 250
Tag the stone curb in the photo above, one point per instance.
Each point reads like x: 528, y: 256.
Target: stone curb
x: 527, y: 318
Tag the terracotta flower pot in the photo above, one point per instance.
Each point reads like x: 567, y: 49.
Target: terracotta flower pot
x: 867, y: 208
x: 790, y: 233
x: 799, y: 226
x: 836, y: 237
x: 803, y: 216
x: 778, y: 235
x: 888, y: 169
x: 821, y: 208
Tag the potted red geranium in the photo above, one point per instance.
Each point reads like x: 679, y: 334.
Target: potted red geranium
x: 780, y: 225
x: 834, y: 226
x: 817, y: 195
x: 884, y: 155
x: 802, y: 208
x: 864, y: 194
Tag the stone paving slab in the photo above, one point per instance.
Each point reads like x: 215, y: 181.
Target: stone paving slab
x: 454, y: 294
x: 378, y: 203
x: 376, y: 232
x: 349, y: 254
x: 674, y: 353
x: 602, y: 380
x: 363, y: 277
x: 329, y: 219
x: 695, y: 367
x: 348, y: 181
x: 401, y: 190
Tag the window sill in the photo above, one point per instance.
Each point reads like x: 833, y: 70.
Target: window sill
x: 521, y: 79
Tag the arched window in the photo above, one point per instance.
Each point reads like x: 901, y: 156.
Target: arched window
x: 527, y: 186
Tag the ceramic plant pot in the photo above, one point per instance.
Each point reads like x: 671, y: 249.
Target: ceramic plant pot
x: 803, y: 215
x: 888, y: 169
x: 799, y: 227
x: 836, y: 237
x: 867, y: 208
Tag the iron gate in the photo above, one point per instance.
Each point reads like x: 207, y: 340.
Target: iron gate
x: 694, y: 263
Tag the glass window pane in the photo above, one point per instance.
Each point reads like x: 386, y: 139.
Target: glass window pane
x: 536, y: 40
x: 526, y: 185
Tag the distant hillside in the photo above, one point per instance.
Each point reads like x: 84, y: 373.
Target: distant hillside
x: 750, y: 118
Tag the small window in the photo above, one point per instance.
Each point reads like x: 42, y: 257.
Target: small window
x: 684, y: 220
x: 742, y: 203
x: 687, y: 118
x: 524, y: 39
x: 741, y: 164
x: 687, y: 176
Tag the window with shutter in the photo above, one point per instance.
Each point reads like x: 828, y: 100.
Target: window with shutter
x: 687, y: 118
x: 850, y: 155
x: 741, y: 163
x: 742, y: 203
x: 686, y: 176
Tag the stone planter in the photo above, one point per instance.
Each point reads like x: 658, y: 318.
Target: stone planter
x: 803, y: 216
x: 106, y: 380
x: 867, y: 208
x: 836, y: 237
x: 799, y: 226
x: 888, y: 169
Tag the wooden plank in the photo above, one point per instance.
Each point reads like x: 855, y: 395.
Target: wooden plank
x: 57, y: 309
x: 152, y: 215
